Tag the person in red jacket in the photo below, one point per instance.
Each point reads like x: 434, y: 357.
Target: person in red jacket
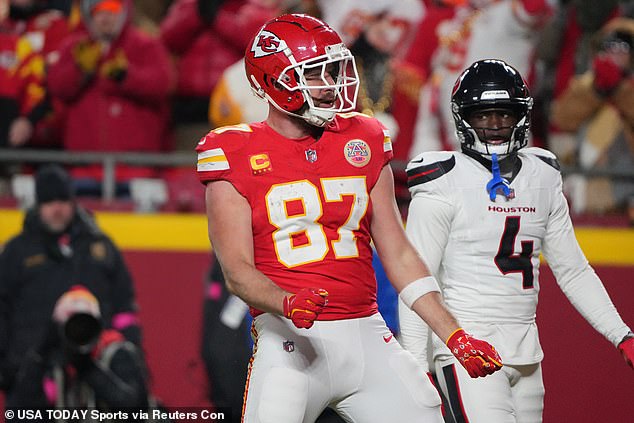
x: 115, y: 82
x: 29, y: 31
x: 206, y: 37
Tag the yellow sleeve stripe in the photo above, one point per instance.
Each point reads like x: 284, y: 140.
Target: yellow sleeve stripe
x: 387, y: 144
x: 213, y: 159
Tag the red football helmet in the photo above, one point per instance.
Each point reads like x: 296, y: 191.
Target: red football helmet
x: 288, y: 47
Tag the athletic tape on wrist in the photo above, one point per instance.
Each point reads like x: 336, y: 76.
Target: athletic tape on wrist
x: 629, y: 335
x: 417, y: 289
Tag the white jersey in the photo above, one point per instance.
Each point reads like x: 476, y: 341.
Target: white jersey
x: 486, y: 253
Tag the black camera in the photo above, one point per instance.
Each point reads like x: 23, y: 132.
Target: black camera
x: 81, y: 332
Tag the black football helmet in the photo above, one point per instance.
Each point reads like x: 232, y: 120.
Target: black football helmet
x: 490, y: 84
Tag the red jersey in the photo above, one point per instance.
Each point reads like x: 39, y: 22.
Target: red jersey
x: 24, y: 45
x: 310, y: 202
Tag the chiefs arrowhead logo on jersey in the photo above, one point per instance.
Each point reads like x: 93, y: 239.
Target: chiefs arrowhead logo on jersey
x: 267, y: 43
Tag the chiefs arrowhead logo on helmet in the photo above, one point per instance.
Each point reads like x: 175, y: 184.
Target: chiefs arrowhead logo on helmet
x: 289, y: 47
x: 266, y: 43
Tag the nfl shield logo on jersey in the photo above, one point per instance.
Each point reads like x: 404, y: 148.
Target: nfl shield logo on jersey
x: 311, y: 155
x: 289, y: 346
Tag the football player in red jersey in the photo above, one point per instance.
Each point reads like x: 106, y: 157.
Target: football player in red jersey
x: 293, y: 204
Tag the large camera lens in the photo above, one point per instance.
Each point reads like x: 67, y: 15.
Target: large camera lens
x: 82, y: 329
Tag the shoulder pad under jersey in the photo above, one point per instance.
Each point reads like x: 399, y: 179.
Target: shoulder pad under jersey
x: 366, y: 127
x: 544, y: 155
x: 429, y: 166
x: 229, y: 131
x: 355, y: 115
x: 226, y: 136
x: 213, y: 148
x: 367, y: 123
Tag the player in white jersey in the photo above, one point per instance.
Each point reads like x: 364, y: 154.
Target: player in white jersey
x: 481, y: 218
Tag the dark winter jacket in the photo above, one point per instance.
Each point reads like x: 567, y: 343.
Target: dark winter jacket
x: 112, y: 376
x: 35, y: 271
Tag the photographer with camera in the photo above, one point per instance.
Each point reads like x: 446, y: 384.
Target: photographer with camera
x: 59, y: 246
x: 80, y: 364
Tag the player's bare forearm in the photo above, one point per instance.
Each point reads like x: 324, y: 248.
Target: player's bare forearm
x: 231, y: 236
x: 400, y: 259
x: 431, y: 309
x: 405, y: 264
x: 229, y: 220
x: 253, y: 287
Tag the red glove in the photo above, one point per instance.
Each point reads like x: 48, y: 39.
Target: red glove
x: 304, y: 307
x: 607, y: 74
x: 627, y: 349
x: 478, y: 357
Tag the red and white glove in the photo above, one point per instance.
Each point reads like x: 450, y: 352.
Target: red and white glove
x: 478, y: 357
x: 627, y: 349
x: 607, y: 73
x: 304, y: 306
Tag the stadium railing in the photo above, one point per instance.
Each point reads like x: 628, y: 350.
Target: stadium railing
x: 185, y: 158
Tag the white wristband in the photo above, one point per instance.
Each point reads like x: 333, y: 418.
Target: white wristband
x: 417, y: 289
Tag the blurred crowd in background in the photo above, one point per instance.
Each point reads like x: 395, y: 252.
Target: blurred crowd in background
x: 155, y: 76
